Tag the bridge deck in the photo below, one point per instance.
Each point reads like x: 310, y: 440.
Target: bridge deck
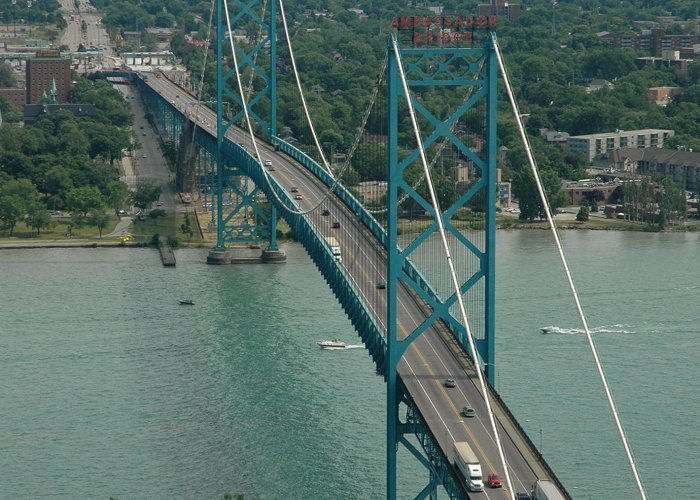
x: 433, y: 357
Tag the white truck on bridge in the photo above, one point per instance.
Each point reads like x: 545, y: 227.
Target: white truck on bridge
x: 546, y: 490
x: 468, y: 464
x: 334, y: 247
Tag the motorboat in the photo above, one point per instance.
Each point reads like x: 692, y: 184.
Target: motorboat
x: 332, y: 344
x: 186, y: 302
x: 550, y: 329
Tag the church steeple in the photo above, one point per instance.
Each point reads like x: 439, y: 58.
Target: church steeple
x: 54, y: 92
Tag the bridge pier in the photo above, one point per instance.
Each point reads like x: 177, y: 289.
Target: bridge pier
x: 230, y: 256
x: 219, y: 257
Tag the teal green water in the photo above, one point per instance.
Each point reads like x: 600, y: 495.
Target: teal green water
x: 110, y: 388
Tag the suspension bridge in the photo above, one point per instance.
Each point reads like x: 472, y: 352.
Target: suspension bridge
x: 410, y: 260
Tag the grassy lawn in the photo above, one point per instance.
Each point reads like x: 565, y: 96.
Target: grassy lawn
x: 141, y: 230
x: 59, y: 231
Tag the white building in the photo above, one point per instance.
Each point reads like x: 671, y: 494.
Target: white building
x: 593, y: 145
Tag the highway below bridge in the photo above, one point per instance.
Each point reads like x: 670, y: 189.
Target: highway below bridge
x: 428, y: 361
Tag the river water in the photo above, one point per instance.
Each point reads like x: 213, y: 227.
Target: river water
x: 109, y: 387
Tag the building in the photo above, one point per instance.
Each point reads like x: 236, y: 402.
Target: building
x: 580, y: 192
x: 15, y: 96
x: 681, y: 166
x: 510, y: 11
x: 669, y: 60
x: 593, y: 145
x: 48, y: 66
x: 662, y: 96
x: 652, y: 41
x: 32, y: 112
x: 554, y: 137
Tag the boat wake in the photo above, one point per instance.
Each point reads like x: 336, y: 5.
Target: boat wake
x: 574, y: 331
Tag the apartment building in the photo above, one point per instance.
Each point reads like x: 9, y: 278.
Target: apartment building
x: 592, y: 145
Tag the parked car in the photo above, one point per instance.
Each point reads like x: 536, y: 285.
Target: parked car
x: 450, y: 382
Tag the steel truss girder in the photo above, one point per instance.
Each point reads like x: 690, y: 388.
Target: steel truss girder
x: 431, y: 456
x: 480, y: 74
x: 246, y: 223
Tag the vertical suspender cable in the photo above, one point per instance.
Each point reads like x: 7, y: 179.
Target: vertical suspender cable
x: 450, y: 263
x: 579, y: 307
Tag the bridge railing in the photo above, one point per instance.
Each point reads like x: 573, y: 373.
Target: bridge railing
x: 364, y: 216
x: 342, y: 286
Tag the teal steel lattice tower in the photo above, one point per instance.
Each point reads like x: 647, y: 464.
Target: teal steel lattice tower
x: 468, y: 67
x: 245, y: 222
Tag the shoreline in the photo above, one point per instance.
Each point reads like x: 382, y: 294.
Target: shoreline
x: 84, y: 243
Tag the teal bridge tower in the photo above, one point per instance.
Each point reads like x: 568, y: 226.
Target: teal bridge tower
x: 474, y: 72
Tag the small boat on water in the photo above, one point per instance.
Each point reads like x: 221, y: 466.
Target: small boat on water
x: 186, y: 302
x: 332, y: 344
x: 550, y: 329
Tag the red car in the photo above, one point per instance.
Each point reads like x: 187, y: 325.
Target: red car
x: 494, y: 481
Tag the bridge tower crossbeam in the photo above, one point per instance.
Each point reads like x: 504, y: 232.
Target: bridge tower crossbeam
x: 473, y: 69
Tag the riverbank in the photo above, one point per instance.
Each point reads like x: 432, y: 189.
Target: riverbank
x: 208, y: 239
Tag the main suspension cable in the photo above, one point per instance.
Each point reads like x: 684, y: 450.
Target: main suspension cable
x: 448, y: 255
x: 569, y: 277
x: 301, y: 92
x: 244, y: 103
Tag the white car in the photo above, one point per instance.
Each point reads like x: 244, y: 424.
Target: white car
x: 268, y: 163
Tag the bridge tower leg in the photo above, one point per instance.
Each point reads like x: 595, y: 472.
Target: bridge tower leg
x: 259, y: 78
x: 475, y: 70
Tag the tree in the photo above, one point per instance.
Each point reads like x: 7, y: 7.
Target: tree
x: 155, y: 213
x: 146, y: 194
x: 12, y: 209
x: 7, y: 77
x: 57, y: 183
x: 583, y: 214
x: 672, y: 202
x: 99, y: 219
x: 38, y: 218
x: 85, y: 199
x: 530, y: 203
x: 117, y: 195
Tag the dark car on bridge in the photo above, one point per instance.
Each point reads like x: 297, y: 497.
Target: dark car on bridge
x: 336, y: 225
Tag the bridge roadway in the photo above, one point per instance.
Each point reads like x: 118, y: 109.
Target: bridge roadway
x: 433, y: 357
